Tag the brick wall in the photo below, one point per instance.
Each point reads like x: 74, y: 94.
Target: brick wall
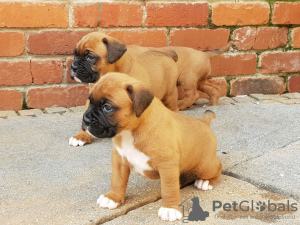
x: 37, y: 39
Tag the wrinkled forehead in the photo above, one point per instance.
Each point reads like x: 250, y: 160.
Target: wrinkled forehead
x: 113, y: 91
x: 92, y: 42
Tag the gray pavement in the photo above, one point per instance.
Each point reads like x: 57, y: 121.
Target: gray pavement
x: 45, y: 181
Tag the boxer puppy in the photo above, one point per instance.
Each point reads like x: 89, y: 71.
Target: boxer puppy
x: 194, y: 74
x: 97, y: 54
x: 151, y: 140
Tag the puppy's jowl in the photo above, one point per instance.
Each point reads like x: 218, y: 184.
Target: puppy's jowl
x: 151, y: 140
x: 98, y: 54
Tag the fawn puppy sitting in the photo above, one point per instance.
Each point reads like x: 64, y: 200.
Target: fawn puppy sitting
x: 151, y: 140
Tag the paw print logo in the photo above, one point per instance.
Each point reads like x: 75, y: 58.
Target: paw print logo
x: 261, y: 206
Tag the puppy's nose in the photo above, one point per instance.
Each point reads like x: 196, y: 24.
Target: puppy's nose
x: 74, y: 67
x: 86, y: 119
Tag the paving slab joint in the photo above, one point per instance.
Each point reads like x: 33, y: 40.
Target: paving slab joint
x: 126, y: 210
x: 263, y: 186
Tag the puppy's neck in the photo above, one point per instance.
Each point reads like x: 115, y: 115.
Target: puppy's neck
x: 152, y: 118
x: 124, y: 64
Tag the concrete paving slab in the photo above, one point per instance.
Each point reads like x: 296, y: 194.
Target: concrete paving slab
x: 268, y: 97
x: 30, y: 112
x: 77, y: 109
x: 222, y: 101
x: 200, y: 103
x: 268, y: 101
x: 291, y: 101
x: 292, y: 95
x: 8, y: 113
x: 56, y: 110
x: 243, y: 99
x: 276, y: 171
x: 226, y: 101
x: 288, y: 98
x: 228, y: 190
x: 45, y: 181
x: 246, y: 131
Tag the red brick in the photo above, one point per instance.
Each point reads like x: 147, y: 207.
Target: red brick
x: 261, y: 38
x: 15, y: 73
x: 233, y: 65
x: 270, y: 38
x: 47, y: 71
x: 12, y: 43
x: 286, y: 13
x: 280, y: 62
x: 201, y: 39
x: 244, y: 38
x: 111, y: 15
x: 294, y: 83
x: 262, y: 85
x: 54, y: 42
x: 147, y: 38
x: 176, y: 14
x: 11, y: 100
x: 296, y: 37
x: 41, y: 98
x: 240, y: 14
x: 26, y: 14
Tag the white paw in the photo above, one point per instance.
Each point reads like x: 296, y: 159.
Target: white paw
x: 203, y: 185
x: 169, y: 214
x: 104, y: 202
x: 74, y: 142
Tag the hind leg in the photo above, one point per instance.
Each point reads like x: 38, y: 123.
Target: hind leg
x: 189, y: 85
x: 170, y: 100
x: 211, y: 89
x: 208, y: 175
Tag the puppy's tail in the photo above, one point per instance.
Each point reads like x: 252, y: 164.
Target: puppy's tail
x: 207, y: 117
x: 220, y: 51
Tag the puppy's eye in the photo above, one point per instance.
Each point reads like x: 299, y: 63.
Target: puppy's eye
x: 107, y: 108
x: 90, y: 58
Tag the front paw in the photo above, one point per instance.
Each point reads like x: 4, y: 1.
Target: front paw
x: 105, y: 202
x: 203, y: 185
x: 80, y: 139
x: 169, y: 214
x: 74, y: 142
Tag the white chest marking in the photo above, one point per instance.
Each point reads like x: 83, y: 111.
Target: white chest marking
x: 136, y: 158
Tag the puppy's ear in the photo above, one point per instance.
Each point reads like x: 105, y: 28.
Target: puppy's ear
x: 141, y: 98
x: 115, y: 49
